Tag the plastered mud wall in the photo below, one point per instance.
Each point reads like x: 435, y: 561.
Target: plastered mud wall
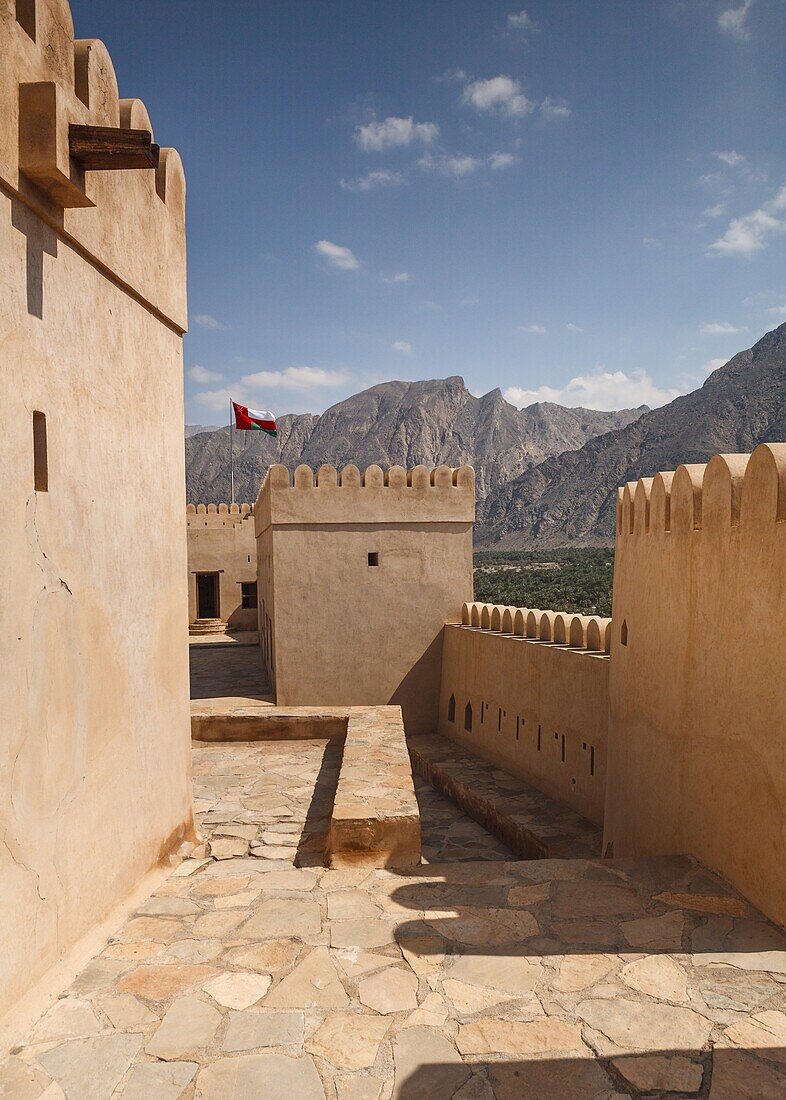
x: 697, y: 738
x: 221, y: 539
x: 94, y: 772
x: 527, y: 690
x: 358, y: 574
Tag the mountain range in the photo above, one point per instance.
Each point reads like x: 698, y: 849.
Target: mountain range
x: 546, y: 475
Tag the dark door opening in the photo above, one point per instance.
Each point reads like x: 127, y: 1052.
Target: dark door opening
x: 207, y: 595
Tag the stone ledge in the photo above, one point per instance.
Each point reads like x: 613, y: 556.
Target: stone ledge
x: 532, y: 824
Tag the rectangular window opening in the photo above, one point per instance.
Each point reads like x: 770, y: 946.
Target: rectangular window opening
x: 40, y: 454
x: 563, y: 748
x: 25, y: 16
x: 538, y: 738
x: 373, y: 557
x: 248, y: 595
x: 592, y: 760
x: 518, y: 726
x: 499, y: 721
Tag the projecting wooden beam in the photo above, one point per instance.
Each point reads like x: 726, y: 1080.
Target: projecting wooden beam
x: 105, y: 149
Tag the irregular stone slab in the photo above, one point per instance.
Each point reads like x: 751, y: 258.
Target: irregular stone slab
x: 765, y: 1029
x: 293, y: 878
x: 658, y: 976
x: 592, y: 899
x: 433, y: 1012
x: 164, y: 1081
x: 126, y: 1012
x: 241, y: 832
x: 216, y: 925
x: 632, y: 1025
x: 133, y: 952
x: 661, y: 1072
x: 189, y: 867
x: 209, y: 886
x: 475, y: 1089
x: 238, y: 990
x: 487, y: 927
x: 195, y: 951
x: 269, y: 957
x: 161, y: 983
x: 351, y: 905
x: 362, y: 933
x: 391, y: 990
x: 552, y: 1079
x: 187, y: 1026
x: 69, y: 1018
x: 313, y: 983
x: 706, y: 903
x: 737, y: 1075
x: 90, y: 1069
x: 354, y: 962
x: 357, y: 1088
x: 101, y: 974
x: 425, y: 952
x: 270, y: 851
x: 237, y: 901
x: 771, y: 962
x: 169, y: 907
x: 20, y: 1081
x: 579, y: 971
x: 348, y: 1040
x: 470, y: 999
x: 491, y: 1035
x: 658, y: 933
x: 272, y: 1076
x: 427, y: 1066
x: 284, y: 917
x: 263, y: 1028
x: 227, y: 847
x: 511, y: 974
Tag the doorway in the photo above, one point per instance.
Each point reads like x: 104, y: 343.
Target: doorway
x: 207, y: 596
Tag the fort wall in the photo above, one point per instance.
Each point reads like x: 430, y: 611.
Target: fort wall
x: 697, y: 752
x: 357, y: 575
x: 221, y: 540
x: 94, y: 776
x: 527, y: 690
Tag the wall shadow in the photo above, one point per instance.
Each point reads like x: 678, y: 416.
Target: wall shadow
x: 40, y: 241
x: 312, y: 845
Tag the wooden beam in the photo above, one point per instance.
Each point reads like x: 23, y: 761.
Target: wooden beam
x: 106, y: 149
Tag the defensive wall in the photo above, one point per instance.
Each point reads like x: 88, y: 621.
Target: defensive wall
x: 94, y: 777
x: 357, y: 575
x: 221, y: 542
x: 528, y: 691
x: 697, y: 715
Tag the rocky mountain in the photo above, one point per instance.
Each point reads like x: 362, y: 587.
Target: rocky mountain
x: 197, y: 429
x: 569, y: 499
x: 404, y: 423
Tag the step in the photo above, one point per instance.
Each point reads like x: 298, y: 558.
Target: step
x: 532, y: 824
x: 207, y: 626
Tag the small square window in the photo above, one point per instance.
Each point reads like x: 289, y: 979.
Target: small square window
x: 373, y: 557
x: 248, y: 595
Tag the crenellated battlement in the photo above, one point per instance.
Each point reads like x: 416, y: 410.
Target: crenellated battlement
x: 327, y: 495
x: 731, y: 490
x: 591, y: 633
x: 217, y: 515
x: 130, y: 221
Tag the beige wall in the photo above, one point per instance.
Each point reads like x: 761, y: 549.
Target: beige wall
x: 221, y: 540
x: 347, y: 633
x: 538, y: 707
x: 94, y: 772
x: 697, y: 753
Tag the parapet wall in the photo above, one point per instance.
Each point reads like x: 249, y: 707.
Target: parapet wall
x: 697, y: 690
x: 221, y: 539
x: 375, y: 496
x: 217, y: 515
x: 131, y: 223
x: 527, y: 690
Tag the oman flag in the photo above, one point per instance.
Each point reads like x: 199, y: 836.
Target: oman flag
x: 249, y: 420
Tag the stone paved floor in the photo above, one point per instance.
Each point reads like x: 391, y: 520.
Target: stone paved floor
x: 227, y: 671
x: 496, y: 980
x: 449, y: 835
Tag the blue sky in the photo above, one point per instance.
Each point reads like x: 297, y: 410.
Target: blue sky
x: 581, y: 201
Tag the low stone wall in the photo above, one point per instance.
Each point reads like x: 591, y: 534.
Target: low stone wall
x: 528, y: 690
x: 375, y: 820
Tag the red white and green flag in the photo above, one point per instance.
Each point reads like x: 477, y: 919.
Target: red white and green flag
x: 250, y: 420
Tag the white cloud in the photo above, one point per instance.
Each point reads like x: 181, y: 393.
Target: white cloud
x: 521, y: 21
x: 203, y: 375
x: 751, y: 232
x: 214, y: 399
x: 375, y: 137
x: 403, y: 346
x: 536, y: 330
x: 383, y: 178
x: 603, y: 390
x: 338, y: 255
x: 206, y: 321
x: 398, y: 277
x: 779, y: 311
x: 651, y: 242
x: 712, y: 365
x: 573, y: 328
x: 714, y: 211
x: 730, y: 157
x: 296, y: 378
x: 734, y: 21
x: 500, y: 93
x: 498, y: 161
x: 719, y: 328
x: 554, y: 109
x: 456, y: 164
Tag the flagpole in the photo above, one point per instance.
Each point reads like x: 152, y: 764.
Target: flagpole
x: 231, y: 455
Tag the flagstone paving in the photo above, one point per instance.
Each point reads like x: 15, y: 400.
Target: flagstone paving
x: 222, y: 671
x: 247, y: 977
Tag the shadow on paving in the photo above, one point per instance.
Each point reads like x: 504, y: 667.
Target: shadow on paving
x: 218, y: 672
x: 312, y: 846
x: 719, y: 1074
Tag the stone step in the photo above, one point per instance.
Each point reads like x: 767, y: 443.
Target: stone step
x: 207, y: 626
x: 532, y: 824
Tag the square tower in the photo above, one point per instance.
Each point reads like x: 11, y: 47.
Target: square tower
x: 357, y: 575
